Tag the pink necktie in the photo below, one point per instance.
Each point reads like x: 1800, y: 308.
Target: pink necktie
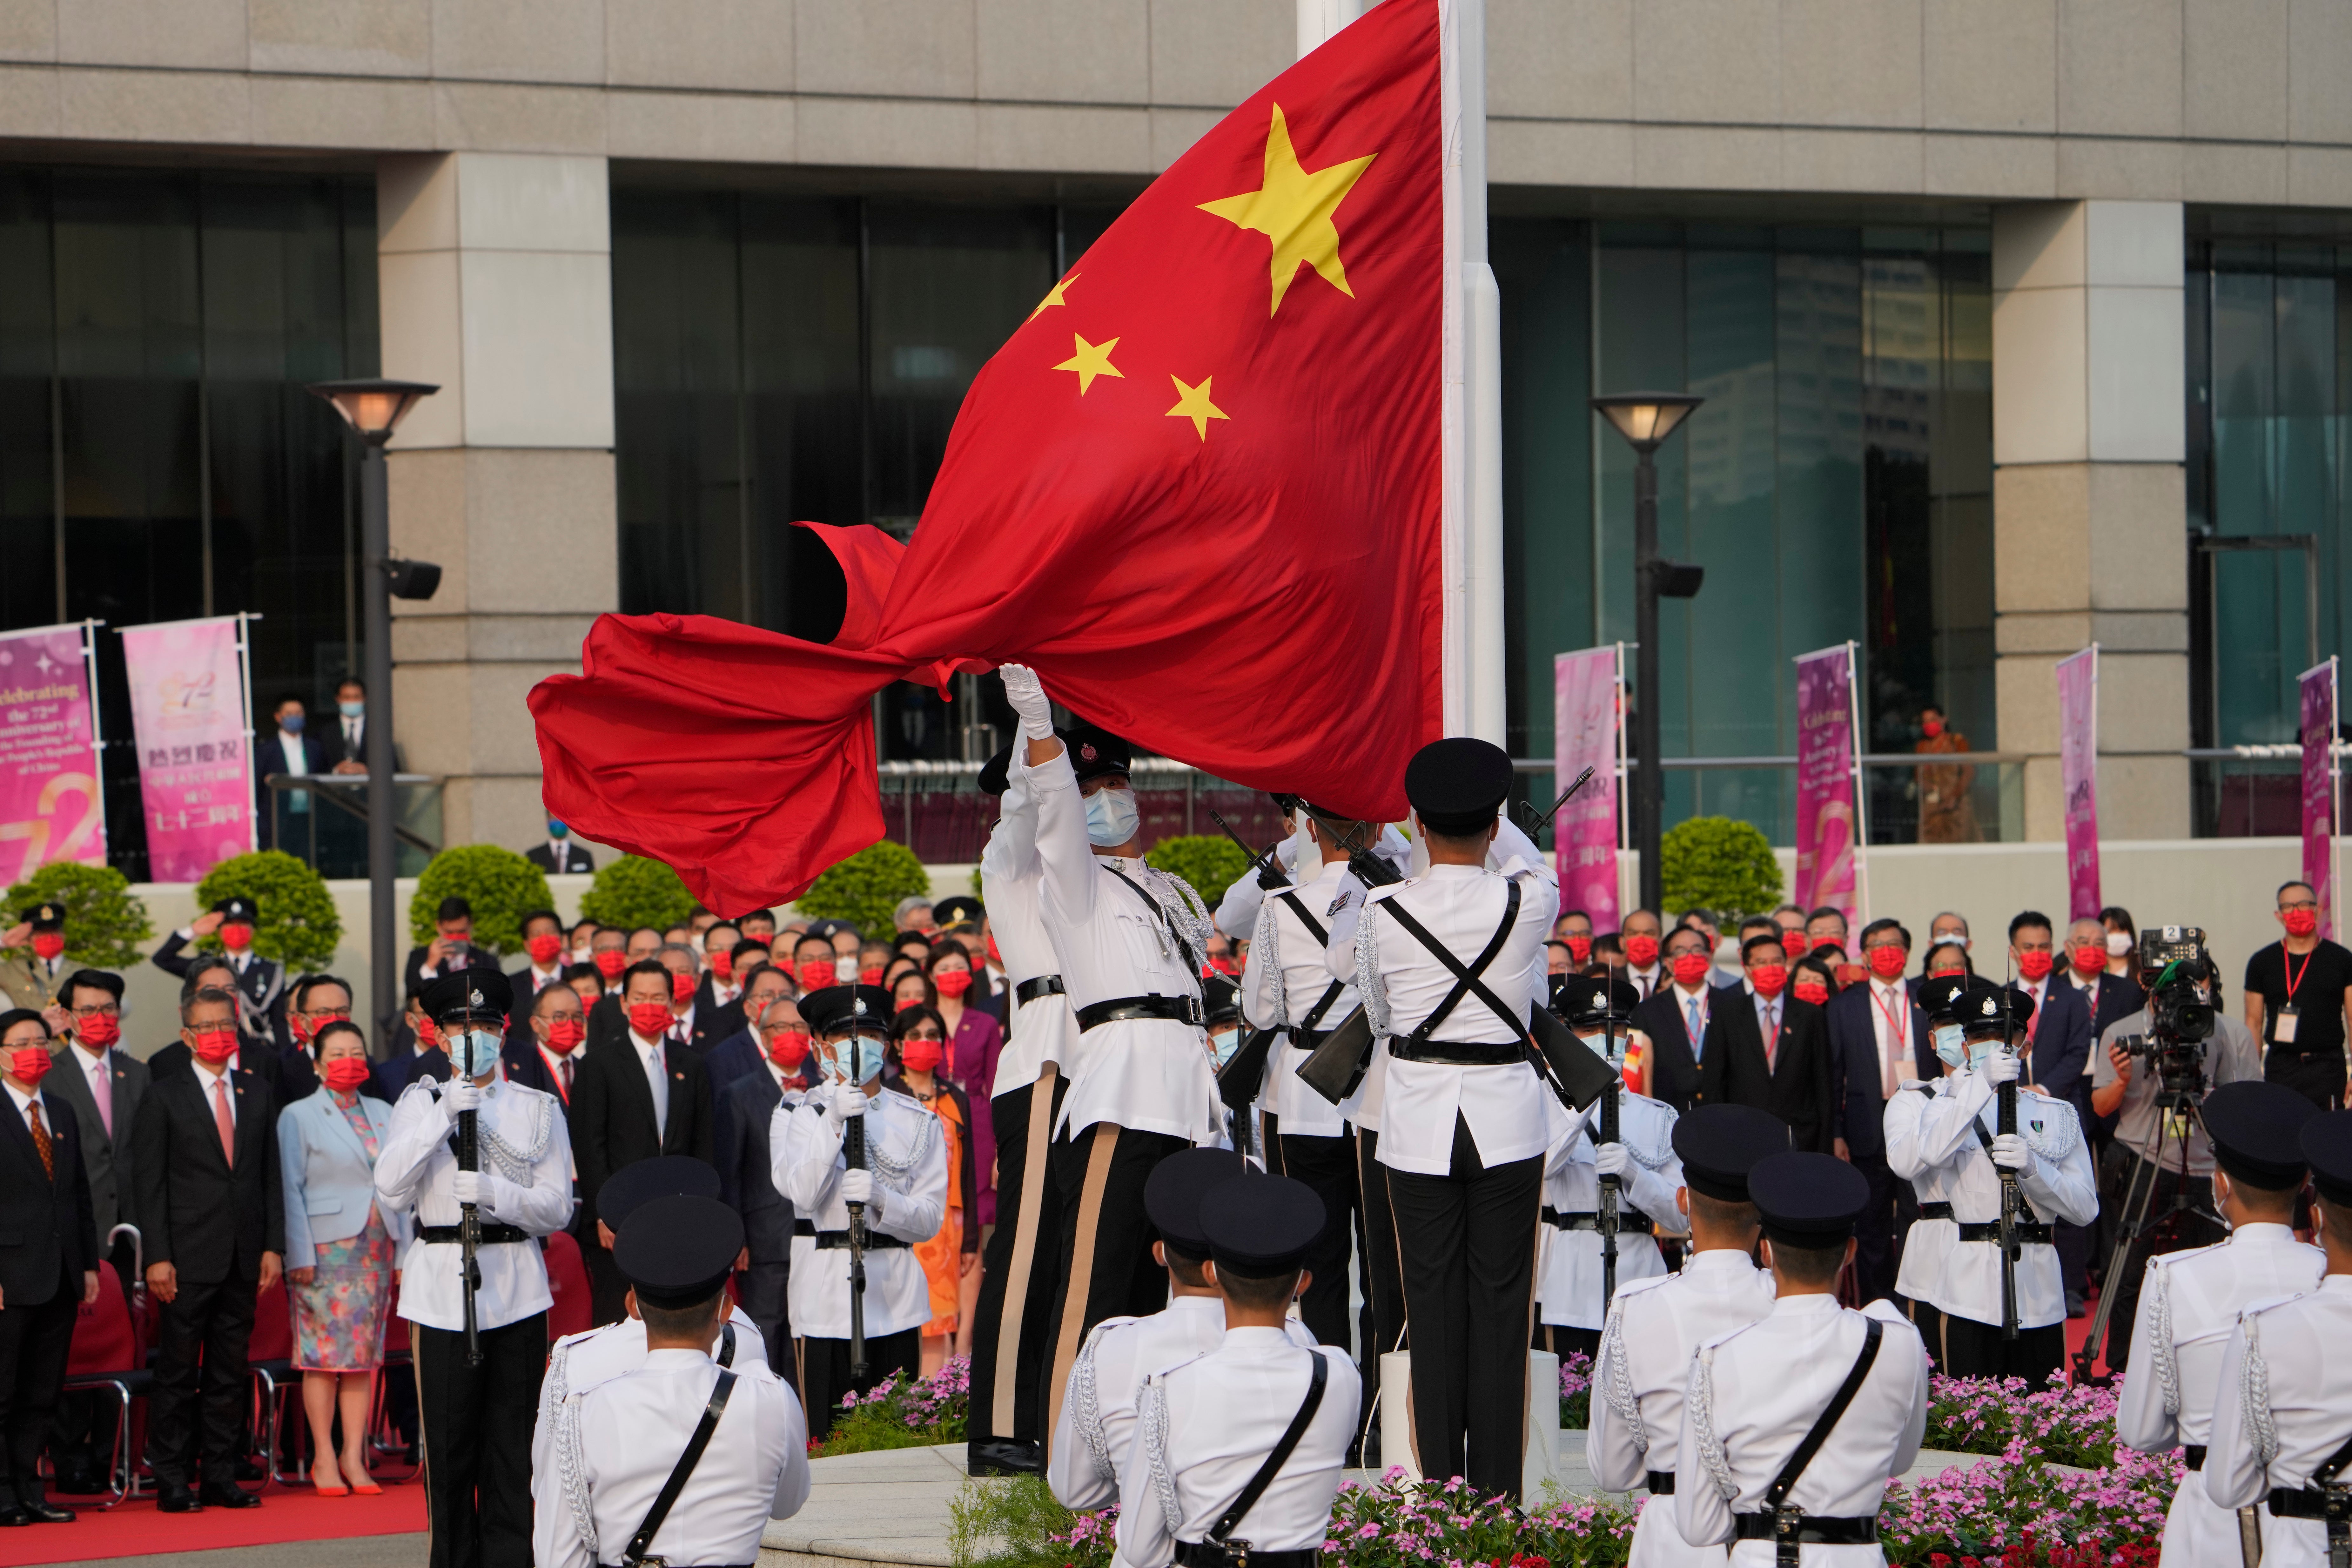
x: 221, y: 1120
x: 103, y: 1091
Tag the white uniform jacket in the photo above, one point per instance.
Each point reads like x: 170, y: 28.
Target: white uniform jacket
x: 908, y: 1158
x: 1641, y: 1373
x: 1012, y: 886
x: 1286, y: 981
x: 1568, y: 1261
x: 1942, y: 1137
x: 1754, y: 1393
x: 2284, y: 1408
x: 614, y: 1446
x: 578, y: 1362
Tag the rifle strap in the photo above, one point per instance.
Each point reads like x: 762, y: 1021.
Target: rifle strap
x: 1316, y: 1377
x: 2325, y: 1474
x: 1191, y: 959
x: 642, y: 1542
x: 726, y: 1344
x: 1468, y: 981
x: 1322, y: 939
x: 1776, y: 1495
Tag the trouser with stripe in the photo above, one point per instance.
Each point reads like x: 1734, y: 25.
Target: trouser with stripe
x: 1012, y: 1334
x: 1329, y: 1166
x: 1106, y: 1267
x: 1381, y: 1323
x: 478, y: 1423
x: 1466, y: 1241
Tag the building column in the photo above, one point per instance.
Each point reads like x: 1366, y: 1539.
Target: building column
x: 2089, y: 499
x: 496, y: 279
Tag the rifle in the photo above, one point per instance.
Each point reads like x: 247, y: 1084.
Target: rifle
x: 1534, y: 824
x: 470, y: 1217
x: 2011, y: 1248
x: 1260, y: 863
x: 1610, y: 1133
x: 853, y: 1150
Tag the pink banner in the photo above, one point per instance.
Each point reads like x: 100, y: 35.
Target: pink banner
x: 2078, y: 767
x: 50, y: 806
x: 1584, y: 720
x: 2319, y: 789
x: 188, y: 713
x: 1826, y: 816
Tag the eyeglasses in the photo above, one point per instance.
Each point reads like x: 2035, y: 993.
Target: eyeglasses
x: 923, y: 1035
x: 103, y: 1010
x: 329, y: 1013
x: 2301, y: 904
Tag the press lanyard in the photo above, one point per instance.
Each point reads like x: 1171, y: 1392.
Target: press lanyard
x: 1896, y: 1033
x: 2294, y: 975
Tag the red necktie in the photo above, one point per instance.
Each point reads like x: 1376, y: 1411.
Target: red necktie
x: 221, y: 1122
x: 42, y: 1142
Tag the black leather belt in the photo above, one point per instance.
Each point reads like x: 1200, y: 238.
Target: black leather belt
x: 2193, y: 1456
x: 2306, y: 1503
x: 1207, y: 1555
x: 1457, y: 1053
x: 1629, y: 1222
x: 1174, y: 1009
x: 490, y: 1234
x: 1818, y: 1530
x: 1660, y: 1482
x: 839, y: 1240
x: 1935, y: 1211
x: 2031, y: 1235
x: 1028, y: 991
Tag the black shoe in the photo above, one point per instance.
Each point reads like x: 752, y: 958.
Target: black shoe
x: 14, y: 1515
x: 1006, y: 1457
x: 227, y: 1494
x: 77, y: 1480
x: 248, y: 1468
x: 174, y: 1498
x: 1364, y: 1453
x: 47, y: 1513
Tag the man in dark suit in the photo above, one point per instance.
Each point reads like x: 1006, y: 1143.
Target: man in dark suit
x: 1767, y: 1049
x: 1665, y: 1018
x: 1877, y: 1038
x: 210, y: 1208
x: 740, y: 1054
x: 451, y: 949
x: 415, y: 1052
x: 2084, y: 972
x: 747, y: 1109
x: 49, y: 1261
x: 617, y: 1120
x: 559, y: 855
x: 692, y: 1025
x: 286, y: 818
x: 260, y: 982
x: 545, y: 1054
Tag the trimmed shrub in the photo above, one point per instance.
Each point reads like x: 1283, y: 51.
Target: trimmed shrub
x: 501, y: 886
x: 105, y: 923
x: 635, y: 891
x: 1210, y: 864
x: 297, y: 922
x: 865, y: 890
x: 1720, y: 864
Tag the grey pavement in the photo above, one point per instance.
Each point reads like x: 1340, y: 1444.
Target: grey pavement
x: 353, y: 1552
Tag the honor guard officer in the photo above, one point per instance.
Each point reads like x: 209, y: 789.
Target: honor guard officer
x: 1011, y: 1339
x: 1095, y: 1438
x: 1244, y: 1444
x: 2282, y: 1439
x: 1464, y: 1128
x: 682, y: 1460
x: 477, y: 1417
x: 1953, y: 1143
x: 1131, y: 942
x: 2189, y: 1303
x: 1570, y: 1271
x: 34, y: 980
x: 1791, y: 1426
x: 1933, y: 1236
x: 900, y: 1183
x: 260, y: 982
x: 1656, y: 1324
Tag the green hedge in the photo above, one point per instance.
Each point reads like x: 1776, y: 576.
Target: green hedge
x: 105, y: 923
x: 298, y: 925
x: 1211, y: 864
x: 865, y: 890
x: 635, y: 891
x: 1720, y: 864
x: 500, y: 885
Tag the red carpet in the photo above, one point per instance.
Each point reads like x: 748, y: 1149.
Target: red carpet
x: 135, y: 1529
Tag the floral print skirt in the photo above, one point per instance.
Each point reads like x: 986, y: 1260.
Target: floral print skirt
x: 339, y: 1317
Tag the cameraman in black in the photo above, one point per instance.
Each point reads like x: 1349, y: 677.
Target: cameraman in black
x: 2126, y: 1085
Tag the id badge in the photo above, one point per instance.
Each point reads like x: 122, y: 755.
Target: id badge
x: 2282, y: 1025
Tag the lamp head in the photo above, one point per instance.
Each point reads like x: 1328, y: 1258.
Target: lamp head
x: 1646, y: 418
x: 372, y: 406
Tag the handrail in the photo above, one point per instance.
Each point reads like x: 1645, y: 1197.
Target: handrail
x: 336, y: 790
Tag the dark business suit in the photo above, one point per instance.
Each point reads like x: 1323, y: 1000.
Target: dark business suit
x: 613, y: 1125
x: 1673, y: 1066
x: 46, y: 1247
x: 575, y: 858
x: 746, y: 1181
x: 391, y: 1077
x: 740, y: 1055
x: 260, y: 985
x: 106, y: 1156
x: 289, y: 1074
x: 475, y: 958
x: 211, y: 1220
x: 1857, y: 1097
x: 1793, y: 1084
x: 2064, y: 1037
x: 276, y: 810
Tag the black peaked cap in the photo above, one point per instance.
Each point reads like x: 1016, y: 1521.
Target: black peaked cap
x: 1261, y: 1225
x: 1172, y: 1194
x: 679, y: 1251
x: 1720, y: 1145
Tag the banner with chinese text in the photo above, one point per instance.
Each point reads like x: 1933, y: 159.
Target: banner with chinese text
x: 2320, y: 814
x: 1829, y: 809
x: 189, y: 716
x: 50, y: 804
x: 2078, y: 768
x: 1586, y: 734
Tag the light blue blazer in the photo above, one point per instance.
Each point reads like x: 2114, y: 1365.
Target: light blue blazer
x: 330, y: 1180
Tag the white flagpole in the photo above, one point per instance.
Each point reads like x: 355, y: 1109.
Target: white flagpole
x: 1861, y: 785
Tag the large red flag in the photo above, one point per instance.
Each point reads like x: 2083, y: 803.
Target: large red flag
x: 1199, y: 489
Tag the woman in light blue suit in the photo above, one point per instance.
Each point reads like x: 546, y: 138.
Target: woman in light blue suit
x: 341, y: 1252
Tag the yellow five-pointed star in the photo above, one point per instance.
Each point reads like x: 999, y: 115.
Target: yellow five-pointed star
x: 1192, y: 403
x: 1294, y: 209
x: 1054, y: 295
x: 1091, y: 361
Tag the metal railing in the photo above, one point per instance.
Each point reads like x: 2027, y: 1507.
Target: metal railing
x: 321, y: 819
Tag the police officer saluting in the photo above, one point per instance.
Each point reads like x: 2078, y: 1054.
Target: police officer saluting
x: 681, y: 1461
x: 477, y: 1417
x: 1656, y: 1324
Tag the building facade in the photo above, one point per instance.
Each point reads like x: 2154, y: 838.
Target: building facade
x: 2022, y: 325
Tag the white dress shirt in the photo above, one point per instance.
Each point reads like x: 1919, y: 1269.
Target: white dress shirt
x: 526, y: 1152
x: 909, y: 1161
x: 580, y: 1362
x: 23, y: 1100
x: 1938, y: 1133
x: 1890, y: 1025
x: 1568, y: 1262
x: 2285, y: 1407
x: 1641, y: 1373
x: 215, y: 1084
x: 1752, y: 1395
x: 617, y: 1444
x: 1647, y: 980
x: 651, y: 1063
x: 1203, y: 1428
x: 1011, y: 885
x: 1284, y: 980
x: 2189, y: 1310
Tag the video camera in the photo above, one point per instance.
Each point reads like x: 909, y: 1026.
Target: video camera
x: 2172, y: 963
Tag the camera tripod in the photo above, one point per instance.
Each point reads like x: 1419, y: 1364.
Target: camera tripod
x: 2139, y: 1199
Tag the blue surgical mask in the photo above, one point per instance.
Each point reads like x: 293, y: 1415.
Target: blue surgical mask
x: 481, y: 1051
x: 556, y: 829
x: 1224, y: 1043
x: 351, y: 710
x: 1600, y: 1044
x: 1111, y: 817
x: 291, y: 723
x: 1952, y: 1045
x: 866, y: 1059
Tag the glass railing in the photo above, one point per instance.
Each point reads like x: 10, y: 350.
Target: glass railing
x: 1958, y: 797
x: 321, y: 819
x: 2248, y: 792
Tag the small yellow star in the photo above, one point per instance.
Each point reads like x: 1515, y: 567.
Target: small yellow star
x: 1192, y: 403
x: 1293, y: 207
x: 1054, y: 295
x: 1091, y: 361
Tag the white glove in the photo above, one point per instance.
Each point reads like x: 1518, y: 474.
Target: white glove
x: 2002, y: 1068
x: 2010, y: 1153
x: 1027, y: 695
x: 857, y: 1186
x: 1612, y: 1159
x: 461, y: 1094
x: 846, y: 1103
x: 471, y: 1187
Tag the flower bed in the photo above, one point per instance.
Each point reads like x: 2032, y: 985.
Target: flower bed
x: 1575, y: 1391
x: 902, y: 1415
x: 1987, y: 1415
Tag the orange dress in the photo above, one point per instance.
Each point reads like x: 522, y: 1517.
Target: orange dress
x: 942, y: 1256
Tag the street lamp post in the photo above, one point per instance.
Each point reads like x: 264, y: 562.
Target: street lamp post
x: 1646, y: 419
x: 374, y: 408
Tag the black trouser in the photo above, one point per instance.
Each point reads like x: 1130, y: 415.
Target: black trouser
x: 33, y: 1340
x: 1564, y: 1342
x: 1467, y: 1244
x: 198, y: 1400
x: 477, y: 1424
x: 1381, y: 1322
x: 2174, y: 1231
x: 1878, y: 1235
x: 2317, y: 1076
x: 607, y: 1290
x: 1329, y: 1166
x: 824, y: 1370
x: 1971, y: 1349
x: 1012, y: 1327
x: 1106, y: 1266
x: 761, y: 1291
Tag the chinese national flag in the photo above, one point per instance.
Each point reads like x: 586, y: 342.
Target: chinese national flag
x: 1199, y: 489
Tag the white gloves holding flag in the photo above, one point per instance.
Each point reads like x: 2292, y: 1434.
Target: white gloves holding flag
x: 1027, y: 695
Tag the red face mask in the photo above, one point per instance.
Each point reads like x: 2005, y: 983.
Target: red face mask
x: 1814, y: 991
x: 2087, y: 960
x: 788, y: 1048
x: 344, y: 1074
x: 1852, y: 974
x: 1768, y: 979
x: 236, y: 938
x: 1690, y: 968
x: 1949, y: 969
x: 27, y: 1063
x: 216, y: 1045
x: 564, y: 1035
x: 682, y: 985
x: 817, y: 974
x: 952, y: 981
x: 544, y: 947
x: 1887, y: 960
x: 1931, y: 727
x: 610, y: 962
x: 1795, y: 942
x: 100, y: 1031
x: 1579, y: 948
x: 2302, y: 922
x: 870, y: 976
x: 995, y: 957
x: 48, y: 943
x: 2035, y: 965
x: 650, y: 1019
x: 1641, y: 951
x: 722, y: 965
x: 922, y: 1056
x: 906, y: 1002
x: 427, y: 1033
